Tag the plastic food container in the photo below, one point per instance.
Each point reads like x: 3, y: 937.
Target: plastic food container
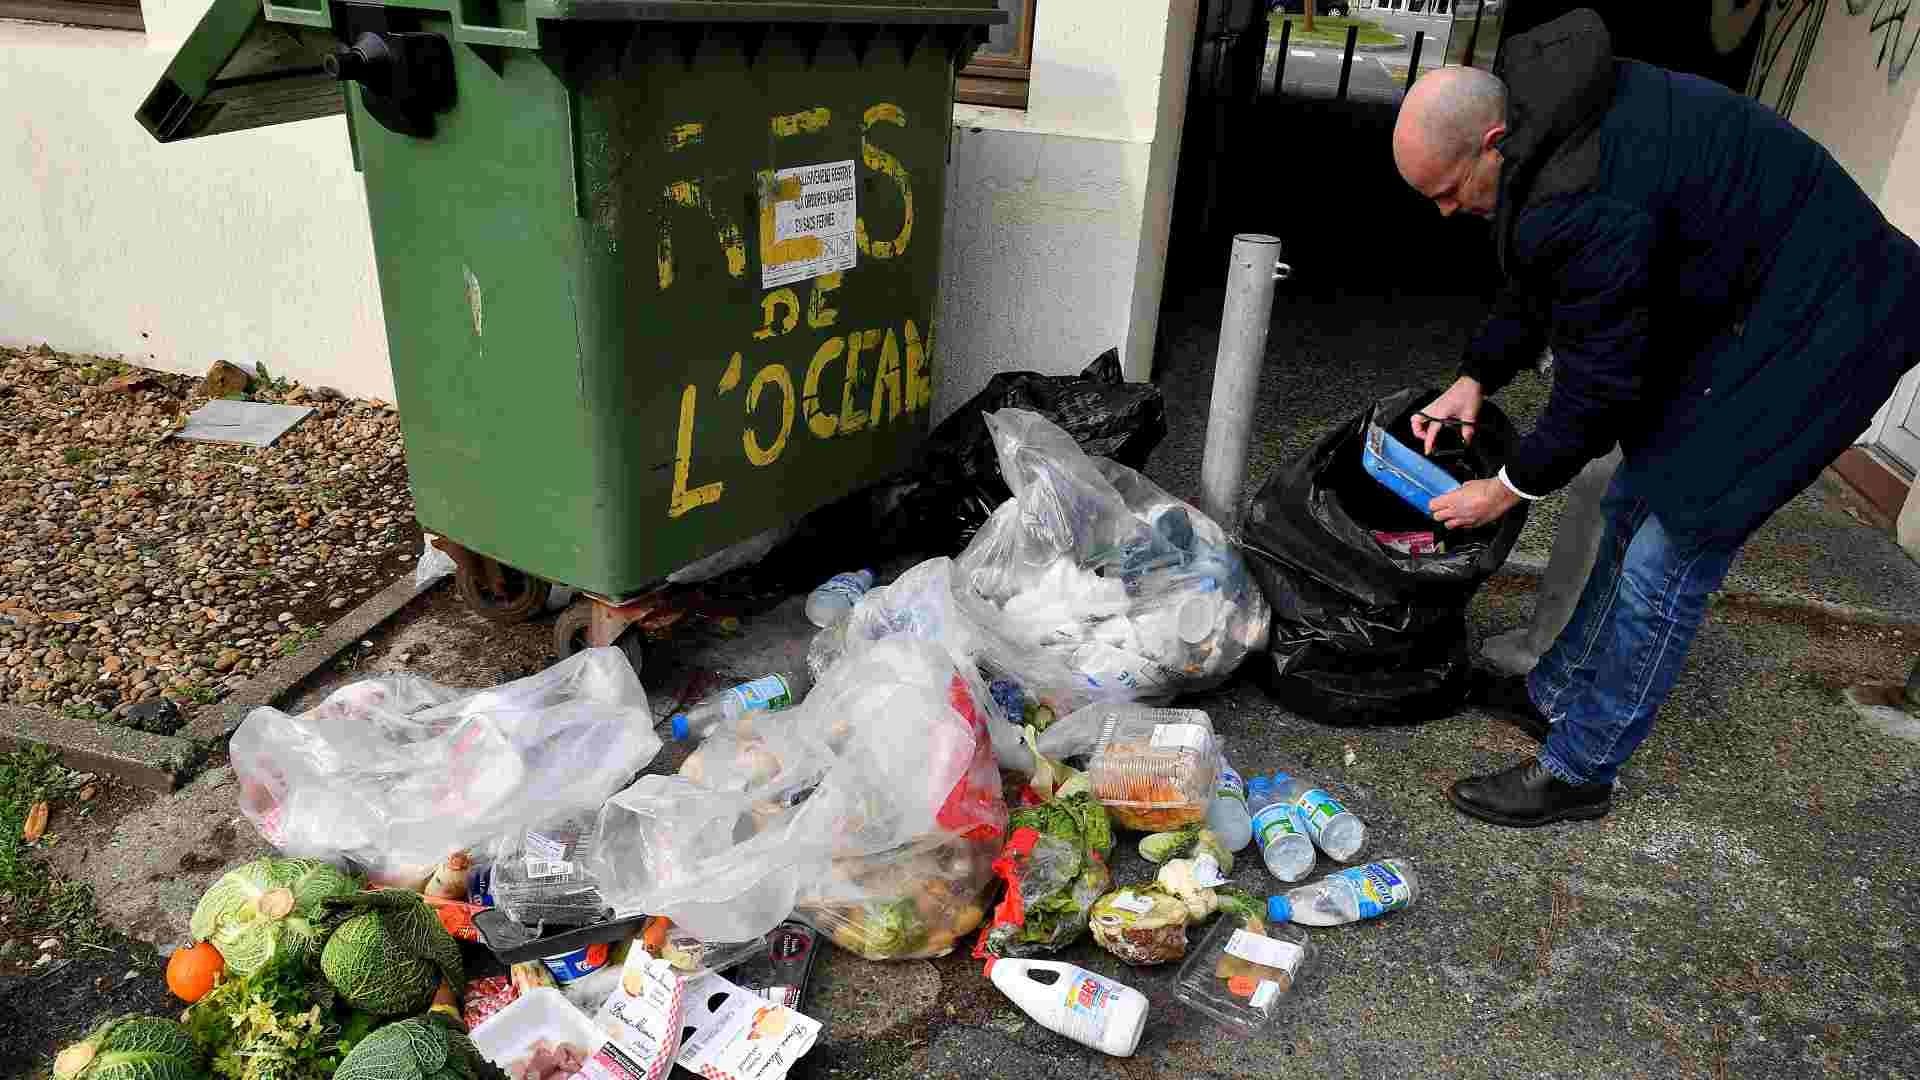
x: 1239, y: 976
x: 1152, y: 768
x: 541, y: 1014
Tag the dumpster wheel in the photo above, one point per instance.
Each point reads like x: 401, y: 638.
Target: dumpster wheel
x: 571, y: 629
x: 500, y: 593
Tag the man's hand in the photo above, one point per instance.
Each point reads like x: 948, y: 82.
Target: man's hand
x: 1461, y: 402
x: 1473, y: 504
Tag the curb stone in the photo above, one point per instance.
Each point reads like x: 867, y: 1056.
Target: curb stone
x: 145, y: 760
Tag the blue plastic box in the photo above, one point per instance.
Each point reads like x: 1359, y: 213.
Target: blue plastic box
x: 1403, y: 470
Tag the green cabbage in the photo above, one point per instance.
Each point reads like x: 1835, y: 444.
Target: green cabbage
x: 132, y: 1048
x: 390, y: 957
x: 425, y: 1048
x: 268, y: 910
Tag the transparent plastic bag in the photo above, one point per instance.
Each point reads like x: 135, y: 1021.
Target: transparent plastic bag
x: 397, y: 772
x: 873, y: 809
x: 1104, y: 587
x: 919, y: 605
x: 434, y: 564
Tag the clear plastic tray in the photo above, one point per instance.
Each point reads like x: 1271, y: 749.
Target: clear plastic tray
x: 1240, y: 976
x: 1152, y: 768
x: 542, y: 1014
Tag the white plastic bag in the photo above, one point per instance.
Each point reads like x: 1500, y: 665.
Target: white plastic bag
x: 434, y: 564
x: 1092, y: 570
x: 397, y: 772
x: 874, y: 809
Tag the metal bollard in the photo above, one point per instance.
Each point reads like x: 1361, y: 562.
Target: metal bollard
x: 1251, y: 273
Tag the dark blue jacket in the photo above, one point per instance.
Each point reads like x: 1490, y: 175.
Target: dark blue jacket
x: 1721, y: 297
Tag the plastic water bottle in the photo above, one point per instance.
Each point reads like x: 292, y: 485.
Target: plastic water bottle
x: 1332, y: 826
x: 826, y: 604
x: 1284, y: 846
x: 1228, y: 815
x: 768, y: 693
x: 1359, y: 892
x: 1090, y: 1009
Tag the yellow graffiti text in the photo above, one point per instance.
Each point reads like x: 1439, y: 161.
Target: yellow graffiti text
x: 774, y: 300
x: 819, y: 315
x: 823, y: 424
x: 690, y: 195
x: 887, y: 165
x: 919, y: 369
x: 886, y: 382
x: 806, y: 122
x: 852, y: 419
x: 684, y: 498
x: 777, y: 375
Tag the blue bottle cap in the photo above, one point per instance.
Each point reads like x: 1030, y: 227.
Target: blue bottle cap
x: 1279, y: 909
x: 679, y: 726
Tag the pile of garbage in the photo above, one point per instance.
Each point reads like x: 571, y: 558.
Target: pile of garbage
x: 617, y: 924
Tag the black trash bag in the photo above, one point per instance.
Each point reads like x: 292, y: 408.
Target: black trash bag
x: 1365, y: 632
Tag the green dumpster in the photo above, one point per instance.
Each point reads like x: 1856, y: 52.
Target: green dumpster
x: 657, y: 275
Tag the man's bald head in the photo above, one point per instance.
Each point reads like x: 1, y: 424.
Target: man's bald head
x: 1448, y: 121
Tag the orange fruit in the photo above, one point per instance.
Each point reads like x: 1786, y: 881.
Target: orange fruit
x: 192, y: 971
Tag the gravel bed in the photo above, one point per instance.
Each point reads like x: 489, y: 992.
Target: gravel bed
x: 135, y: 566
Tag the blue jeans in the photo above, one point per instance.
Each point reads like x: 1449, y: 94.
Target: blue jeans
x: 1617, y: 660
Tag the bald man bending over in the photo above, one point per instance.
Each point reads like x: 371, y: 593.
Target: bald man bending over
x: 1721, y: 299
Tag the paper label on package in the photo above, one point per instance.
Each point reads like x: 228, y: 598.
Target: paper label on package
x: 812, y: 212
x: 547, y: 868
x: 642, y: 1019
x: 739, y: 1035
x: 538, y: 845
x: 1179, y: 736
x: 1133, y: 902
x: 1265, y: 951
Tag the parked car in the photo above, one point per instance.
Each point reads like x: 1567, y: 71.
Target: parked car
x: 1323, y: 7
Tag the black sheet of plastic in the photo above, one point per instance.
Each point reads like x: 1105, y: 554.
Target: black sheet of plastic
x: 1364, y: 634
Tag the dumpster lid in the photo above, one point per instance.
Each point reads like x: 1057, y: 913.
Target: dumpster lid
x: 934, y: 12
x: 238, y: 71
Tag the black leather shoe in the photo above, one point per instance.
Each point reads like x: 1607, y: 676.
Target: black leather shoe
x: 1525, y: 795
x: 1506, y: 695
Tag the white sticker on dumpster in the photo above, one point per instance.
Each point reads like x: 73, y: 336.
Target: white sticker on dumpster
x: 812, y: 223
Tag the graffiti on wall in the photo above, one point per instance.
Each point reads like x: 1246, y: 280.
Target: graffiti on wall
x: 1785, y: 48
x: 1793, y: 26
x: 1888, y: 21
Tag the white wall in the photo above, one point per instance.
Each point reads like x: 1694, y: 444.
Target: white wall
x: 1849, y: 100
x: 1057, y: 216
x: 249, y: 247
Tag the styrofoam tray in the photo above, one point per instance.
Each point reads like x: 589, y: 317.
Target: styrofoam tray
x: 540, y: 1013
